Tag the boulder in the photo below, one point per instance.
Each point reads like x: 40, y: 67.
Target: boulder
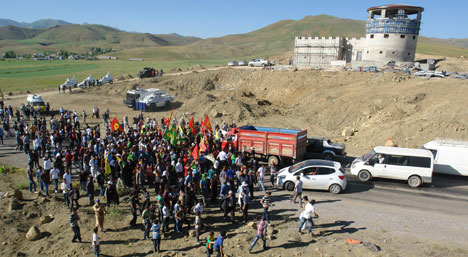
x: 14, y: 205
x: 317, y: 233
x: 215, y: 114
x: 347, y: 132
x: 17, y: 194
x: 252, y: 225
x: 46, y: 219
x: 33, y: 234
x: 192, y: 233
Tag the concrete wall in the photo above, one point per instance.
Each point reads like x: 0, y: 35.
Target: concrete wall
x: 390, y: 47
x: 317, y: 52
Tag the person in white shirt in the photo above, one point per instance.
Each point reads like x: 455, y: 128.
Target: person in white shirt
x: 179, y: 168
x: 95, y: 242
x: 309, y: 210
x: 65, y: 190
x: 67, y: 178
x: 54, y: 176
x: 261, y: 176
x: 165, y: 214
x: 222, y: 157
x: 298, y: 190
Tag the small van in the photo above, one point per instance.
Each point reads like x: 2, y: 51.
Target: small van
x: 450, y: 156
x: 36, y: 102
x: 413, y: 165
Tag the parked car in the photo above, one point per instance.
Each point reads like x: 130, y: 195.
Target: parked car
x: 324, y: 147
x: 449, y: 156
x: 233, y: 63
x: 147, y: 73
x: 259, y: 63
x: 87, y: 82
x: 315, y: 174
x: 413, y: 165
x: 243, y: 63
x: 106, y: 79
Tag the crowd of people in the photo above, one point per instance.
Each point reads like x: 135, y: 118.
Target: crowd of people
x: 188, y: 165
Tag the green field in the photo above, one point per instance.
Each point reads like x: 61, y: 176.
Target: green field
x: 23, y: 75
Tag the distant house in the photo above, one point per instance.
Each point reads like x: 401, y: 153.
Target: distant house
x: 105, y: 57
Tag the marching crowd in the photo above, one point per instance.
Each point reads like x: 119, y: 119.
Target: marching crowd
x: 189, y: 165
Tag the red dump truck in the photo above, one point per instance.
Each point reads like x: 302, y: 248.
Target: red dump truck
x: 273, y: 144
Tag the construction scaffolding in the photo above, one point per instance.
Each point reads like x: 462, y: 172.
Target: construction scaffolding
x: 317, y: 52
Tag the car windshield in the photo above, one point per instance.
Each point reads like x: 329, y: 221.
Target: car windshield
x: 296, y: 167
x: 366, y: 156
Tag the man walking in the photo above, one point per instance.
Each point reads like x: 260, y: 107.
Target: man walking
x: 266, y: 203
x: 261, y: 232
x: 99, y: 212
x: 309, y: 210
x: 74, y: 218
x: 298, y: 190
x: 156, y: 228
x: 260, y: 177
x: 245, y: 205
x: 218, y: 245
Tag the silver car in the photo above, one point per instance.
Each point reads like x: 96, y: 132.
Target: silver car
x: 243, y: 63
x: 233, y: 63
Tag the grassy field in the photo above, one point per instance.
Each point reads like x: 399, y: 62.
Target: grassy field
x: 23, y: 75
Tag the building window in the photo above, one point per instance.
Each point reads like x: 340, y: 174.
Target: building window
x: 409, y: 53
x: 402, y: 36
x: 372, y: 36
x: 414, y: 37
x: 367, y: 51
x: 394, y: 53
x: 385, y: 35
x: 381, y: 52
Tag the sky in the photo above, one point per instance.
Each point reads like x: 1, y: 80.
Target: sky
x: 210, y: 18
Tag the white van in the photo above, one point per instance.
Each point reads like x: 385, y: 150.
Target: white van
x: 450, y: 156
x: 414, y: 165
x: 36, y: 102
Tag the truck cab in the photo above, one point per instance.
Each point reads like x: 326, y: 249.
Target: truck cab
x: 325, y: 148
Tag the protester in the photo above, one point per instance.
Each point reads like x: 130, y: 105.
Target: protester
x: 210, y: 241
x: 261, y: 233
x: 266, y: 203
x: 309, y: 210
x: 156, y: 228
x: 298, y: 191
x: 218, y: 245
x: 74, y: 218
x: 95, y: 242
x: 99, y: 212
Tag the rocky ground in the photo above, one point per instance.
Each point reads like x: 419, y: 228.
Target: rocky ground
x: 370, y: 106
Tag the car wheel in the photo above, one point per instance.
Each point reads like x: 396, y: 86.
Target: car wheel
x: 364, y: 175
x: 328, y: 156
x: 264, y: 65
x: 273, y: 160
x: 335, y: 189
x: 414, y: 181
x: 289, y: 186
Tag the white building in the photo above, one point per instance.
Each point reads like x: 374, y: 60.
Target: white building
x: 392, y: 33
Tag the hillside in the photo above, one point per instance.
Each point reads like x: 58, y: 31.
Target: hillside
x: 78, y: 38
x: 15, y: 33
x: 39, y: 24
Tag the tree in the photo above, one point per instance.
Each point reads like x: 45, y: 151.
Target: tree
x: 9, y: 54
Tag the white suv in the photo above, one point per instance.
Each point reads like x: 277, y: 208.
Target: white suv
x: 259, y: 63
x: 315, y: 174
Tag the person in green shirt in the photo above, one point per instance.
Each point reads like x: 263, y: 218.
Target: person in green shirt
x: 146, y: 216
x: 210, y: 240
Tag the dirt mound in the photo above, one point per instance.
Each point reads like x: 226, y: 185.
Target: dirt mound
x: 196, y: 67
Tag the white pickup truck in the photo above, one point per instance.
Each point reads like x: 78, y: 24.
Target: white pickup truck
x: 259, y: 63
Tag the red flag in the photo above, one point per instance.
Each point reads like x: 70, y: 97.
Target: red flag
x: 192, y: 125
x: 202, y: 126
x: 208, y: 124
x: 115, y: 125
x: 195, y: 152
x: 168, y: 121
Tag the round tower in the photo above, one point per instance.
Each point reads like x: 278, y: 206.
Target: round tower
x: 392, y: 33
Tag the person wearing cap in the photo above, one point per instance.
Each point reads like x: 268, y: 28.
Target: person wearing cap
x: 99, y: 213
x: 229, y: 205
x: 261, y: 232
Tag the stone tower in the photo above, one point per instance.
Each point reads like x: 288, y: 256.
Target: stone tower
x: 391, y: 33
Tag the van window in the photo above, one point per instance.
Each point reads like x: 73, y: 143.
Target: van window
x: 422, y: 162
x: 397, y: 160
